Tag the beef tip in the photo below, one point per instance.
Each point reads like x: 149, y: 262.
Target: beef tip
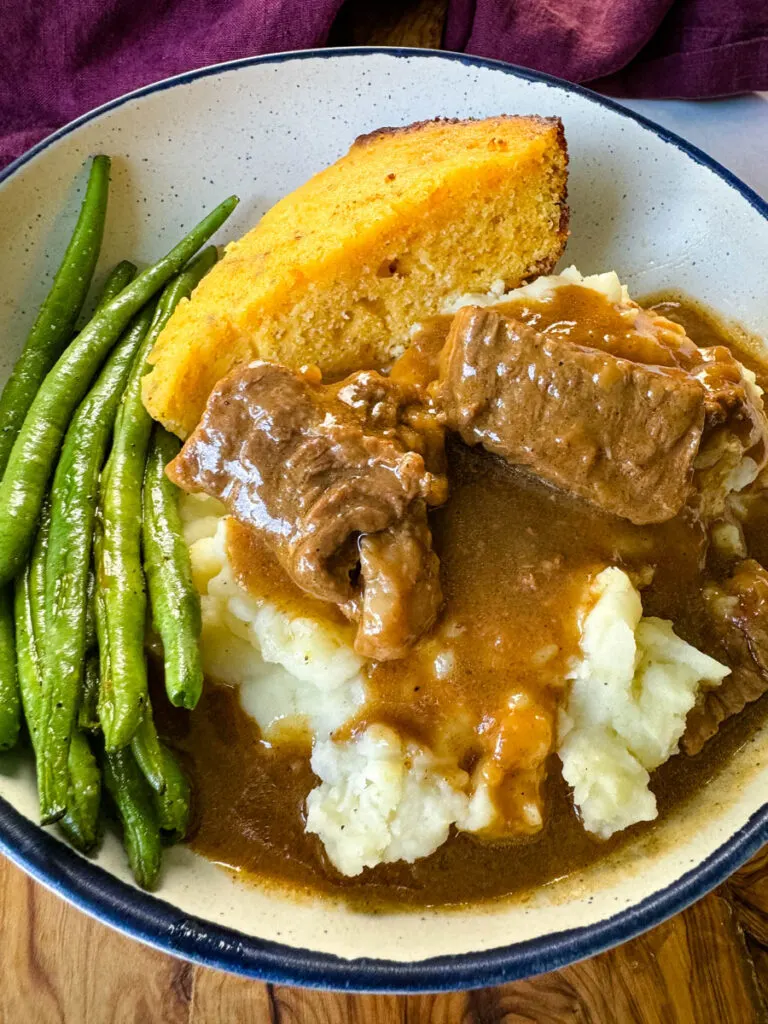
x: 321, y: 471
x: 620, y: 434
x: 402, y: 594
x: 738, y: 611
x: 734, y: 447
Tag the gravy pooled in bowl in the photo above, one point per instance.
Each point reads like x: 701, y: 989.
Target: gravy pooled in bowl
x: 446, y: 753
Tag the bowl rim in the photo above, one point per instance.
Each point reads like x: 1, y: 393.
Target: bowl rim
x: 159, y: 924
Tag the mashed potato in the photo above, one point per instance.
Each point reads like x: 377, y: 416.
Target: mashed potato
x: 294, y: 673
x: 607, y: 284
x: 630, y: 693
x: 382, y: 800
x: 379, y: 799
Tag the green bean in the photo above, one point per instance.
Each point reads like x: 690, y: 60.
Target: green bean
x: 87, y: 712
x: 52, y: 329
x: 133, y: 799
x: 121, y: 577
x: 91, y: 638
x: 121, y: 275
x: 10, y: 701
x: 26, y: 654
x: 118, y: 278
x: 165, y: 777
x: 173, y: 804
x: 78, y: 774
x: 37, y: 574
x: 148, y: 751
x: 34, y: 452
x: 74, y: 495
x: 29, y: 610
x: 100, y: 616
x: 80, y: 822
x: 39, y: 629
x: 173, y: 597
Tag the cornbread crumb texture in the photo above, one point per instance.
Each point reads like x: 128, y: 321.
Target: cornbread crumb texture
x: 338, y: 271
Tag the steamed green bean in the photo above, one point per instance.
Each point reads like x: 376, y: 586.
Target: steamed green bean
x: 133, y: 799
x: 74, y: 497
x: 173, y: 596
x: 119, y: 277
x: 87, y: 712
x: 80, y: 820
x: 121, y: 576
x: 52, y: 329
x: 10, y: 702
x: 34, y: 452
x: 163, y: 773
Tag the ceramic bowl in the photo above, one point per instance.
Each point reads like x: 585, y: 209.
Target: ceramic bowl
x: 644, y: 203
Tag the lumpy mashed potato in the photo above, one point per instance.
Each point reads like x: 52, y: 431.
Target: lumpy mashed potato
x: 629, y: 697
x: 607, y: 284
x: 294, y: 673
x: 379, y: 798
x: 382, y: 799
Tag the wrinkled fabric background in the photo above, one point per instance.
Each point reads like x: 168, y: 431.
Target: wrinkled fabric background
x: 671, y: 48
x: 63, y: 57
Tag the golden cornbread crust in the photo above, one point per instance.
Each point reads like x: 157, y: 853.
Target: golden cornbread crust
x: 337, y: 272
x: 416, y: 126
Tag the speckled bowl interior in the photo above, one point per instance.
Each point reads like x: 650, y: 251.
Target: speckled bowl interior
x: 642, y: 203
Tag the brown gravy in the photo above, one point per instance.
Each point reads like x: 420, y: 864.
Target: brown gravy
x: 247, y: 816
x: 514, y: 556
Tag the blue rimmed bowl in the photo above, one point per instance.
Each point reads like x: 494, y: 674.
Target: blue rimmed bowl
x: 644, y: 203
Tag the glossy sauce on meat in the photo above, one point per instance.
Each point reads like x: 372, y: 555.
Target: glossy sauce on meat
x: 514, y: 553
x: 312, y: 467
x: 621, y: 434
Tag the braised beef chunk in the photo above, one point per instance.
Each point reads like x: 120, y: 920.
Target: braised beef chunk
x: 734, y: 447
x: 402, y: 595
x: 320, y: 470
x: 738, y: 611
x: 621, y: 434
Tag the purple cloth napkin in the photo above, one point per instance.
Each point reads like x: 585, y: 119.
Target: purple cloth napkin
x: 672, y: 48
x: 63, y: 57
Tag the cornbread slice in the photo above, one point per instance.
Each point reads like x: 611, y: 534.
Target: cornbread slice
x: 338, y: 271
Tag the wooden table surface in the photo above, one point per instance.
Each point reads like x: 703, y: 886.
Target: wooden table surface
x: 708, y: 965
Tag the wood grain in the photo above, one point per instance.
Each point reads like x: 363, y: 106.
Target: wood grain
x: 708, y: 965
